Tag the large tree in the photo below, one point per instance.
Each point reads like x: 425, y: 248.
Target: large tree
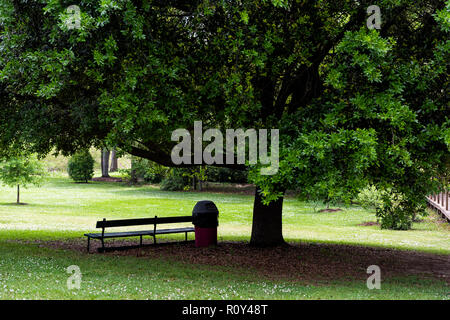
x: 353, y: 105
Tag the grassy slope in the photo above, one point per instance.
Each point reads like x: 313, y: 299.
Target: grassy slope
x: 62, y: 209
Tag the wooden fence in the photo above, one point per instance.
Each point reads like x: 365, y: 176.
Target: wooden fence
x: 440, y: 203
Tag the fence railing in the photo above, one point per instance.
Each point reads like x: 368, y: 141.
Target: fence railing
x: 440, y: 203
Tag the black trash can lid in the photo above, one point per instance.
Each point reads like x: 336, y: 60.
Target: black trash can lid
x: 205, y: 206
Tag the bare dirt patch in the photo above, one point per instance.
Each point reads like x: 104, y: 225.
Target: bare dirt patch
x: 294, y: 262
x: 107, y: 179
x: 231, y: 188
x: 235, y: 188
x: 369, y: 223
x: 330, y: 210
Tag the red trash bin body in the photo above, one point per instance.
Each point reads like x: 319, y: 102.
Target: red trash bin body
x: 205, y: 237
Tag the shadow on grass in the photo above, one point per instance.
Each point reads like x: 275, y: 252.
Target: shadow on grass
x: 310, y: 262
x: 16, y: 204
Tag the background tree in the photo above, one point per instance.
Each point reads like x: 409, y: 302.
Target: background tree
x: 114, y: 161
x: 81, y: 166
x: 354, y: 106
x: 21, y: 171
x: 104, y: 162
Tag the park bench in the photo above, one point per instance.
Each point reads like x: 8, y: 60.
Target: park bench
x: 137, y: 222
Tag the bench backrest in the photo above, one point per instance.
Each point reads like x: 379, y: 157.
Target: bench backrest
x: 141, y: 221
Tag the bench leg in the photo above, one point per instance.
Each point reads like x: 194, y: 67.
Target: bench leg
x: 140, y: 242
x: 89, y: 243
x: 154, y: 239
x: 103, y: 245
x: 185, y: 236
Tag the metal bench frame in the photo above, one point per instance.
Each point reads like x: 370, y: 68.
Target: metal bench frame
x: 137, y: 222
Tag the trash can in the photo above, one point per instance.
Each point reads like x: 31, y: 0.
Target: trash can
x: 205, y: 218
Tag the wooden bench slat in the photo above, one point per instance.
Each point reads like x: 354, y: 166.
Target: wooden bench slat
x: 141, y: 221
x: 120, y: 234
x: 138, y: 233
x: 176, y: 230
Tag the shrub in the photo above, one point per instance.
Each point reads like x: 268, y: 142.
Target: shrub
x: 394, y: 210
x: 370, y: 198
x: 398, y: 211
x: 81, y: 166
x: 215, y: 174
x: 144, y: 170
x: 137, y: 171
x: 175, y: 180
x: 155, y: 173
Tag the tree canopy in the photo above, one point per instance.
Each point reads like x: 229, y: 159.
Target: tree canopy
x: 354, y: 106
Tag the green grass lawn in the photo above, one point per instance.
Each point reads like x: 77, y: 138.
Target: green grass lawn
x: 64, y: 210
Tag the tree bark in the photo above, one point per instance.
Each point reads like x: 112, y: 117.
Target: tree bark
x: 133, y: 177
x: 105, y: 163
x: 114, y: 164
x: 267, y: 222
x: 18, y: 194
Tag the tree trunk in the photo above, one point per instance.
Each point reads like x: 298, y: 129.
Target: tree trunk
x: 133, y: 177
x: 105, y: 163
x: 114, y: 164
x: 18, y: 194
x: 267, y: 222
